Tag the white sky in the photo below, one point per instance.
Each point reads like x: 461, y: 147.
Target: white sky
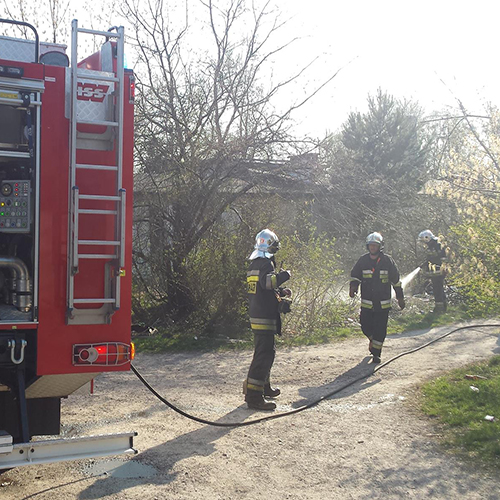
x: 404, y: 47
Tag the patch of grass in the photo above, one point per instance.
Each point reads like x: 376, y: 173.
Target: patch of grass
x: 462, y: 410
x: 191, y: 340
x: 161, y: 342
x: 317, y: 337
x: 166, y: 341
x: 188, y: 337
x: 415, y: 319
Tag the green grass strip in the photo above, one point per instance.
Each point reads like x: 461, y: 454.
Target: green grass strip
x: 462, y: 410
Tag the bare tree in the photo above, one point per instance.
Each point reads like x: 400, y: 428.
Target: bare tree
x: 207, y: 131
x: 50, y: 17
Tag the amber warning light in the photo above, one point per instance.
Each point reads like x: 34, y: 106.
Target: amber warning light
x: 103, y: 354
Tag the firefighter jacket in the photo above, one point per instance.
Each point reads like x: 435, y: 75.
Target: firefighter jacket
x: 436, y: 257
x: 262, y: 286
x: 376, y: 277
x: 435, y: 253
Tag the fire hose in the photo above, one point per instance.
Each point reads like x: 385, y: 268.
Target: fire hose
x: 312, y: 403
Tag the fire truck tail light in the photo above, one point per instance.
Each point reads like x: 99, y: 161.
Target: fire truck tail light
x: 103, y: 354
x: 131, y: 90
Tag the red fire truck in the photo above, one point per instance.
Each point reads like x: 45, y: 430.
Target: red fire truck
x: 66, y: 168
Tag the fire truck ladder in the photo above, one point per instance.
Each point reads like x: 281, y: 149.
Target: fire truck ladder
x: 115, y: 262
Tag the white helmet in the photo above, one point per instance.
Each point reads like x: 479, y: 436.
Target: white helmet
x: 426, y: 236
x: 375, y: 238
x: 266, y: 244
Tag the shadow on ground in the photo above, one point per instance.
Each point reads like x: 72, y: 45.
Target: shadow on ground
x: 353, y: 381
x: 200, y: 442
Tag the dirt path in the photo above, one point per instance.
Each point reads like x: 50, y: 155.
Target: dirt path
x: 368, y: 442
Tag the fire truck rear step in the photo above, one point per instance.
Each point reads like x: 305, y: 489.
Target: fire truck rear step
x: 59, y: 450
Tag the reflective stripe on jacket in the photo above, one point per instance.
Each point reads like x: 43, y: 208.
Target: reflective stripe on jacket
x: 262, y: 280
x: 376, y: 277
x: 436, y: 258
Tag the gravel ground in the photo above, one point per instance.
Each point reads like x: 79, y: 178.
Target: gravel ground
x: 368, y: 441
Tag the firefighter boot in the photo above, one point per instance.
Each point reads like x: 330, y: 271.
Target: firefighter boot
x: 255, y: 401
x: 375, y: 351
x: 271, y: 392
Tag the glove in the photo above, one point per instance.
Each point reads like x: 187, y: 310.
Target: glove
x: 401, y: 302
x: 353, y: 290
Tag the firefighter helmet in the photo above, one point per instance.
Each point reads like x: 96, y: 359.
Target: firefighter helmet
x: 266, y: 244
x: 426, y: 236
x: 375, y: 238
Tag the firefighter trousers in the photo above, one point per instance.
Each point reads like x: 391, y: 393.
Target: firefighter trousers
x: 374, y: 326
x: 262, y: 362
x: 439, y: 294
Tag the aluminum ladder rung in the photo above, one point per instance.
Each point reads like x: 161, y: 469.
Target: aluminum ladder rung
x: 97, y: 212
x: 96, y: 167
x: 99, y: 256
x: 99, y: 197
x: 107, y: 34
x: 98, y: 242
x: 94, y: 301
x: 102, y: 123
x: 101, y: 78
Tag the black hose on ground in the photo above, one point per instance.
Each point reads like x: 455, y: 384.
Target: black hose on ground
x: 312, y: 403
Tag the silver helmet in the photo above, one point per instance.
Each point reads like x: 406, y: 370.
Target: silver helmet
x: 266, y: 244
x: 375, y: 238
x: 426, y: 236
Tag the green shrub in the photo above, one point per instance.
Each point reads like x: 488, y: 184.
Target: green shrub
x: 316, y: 283
x: 476, y: 270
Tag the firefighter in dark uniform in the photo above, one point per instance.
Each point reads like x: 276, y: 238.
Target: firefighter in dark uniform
x: 265, y: 295
x: 376, y: 272
x: 435, y: 268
